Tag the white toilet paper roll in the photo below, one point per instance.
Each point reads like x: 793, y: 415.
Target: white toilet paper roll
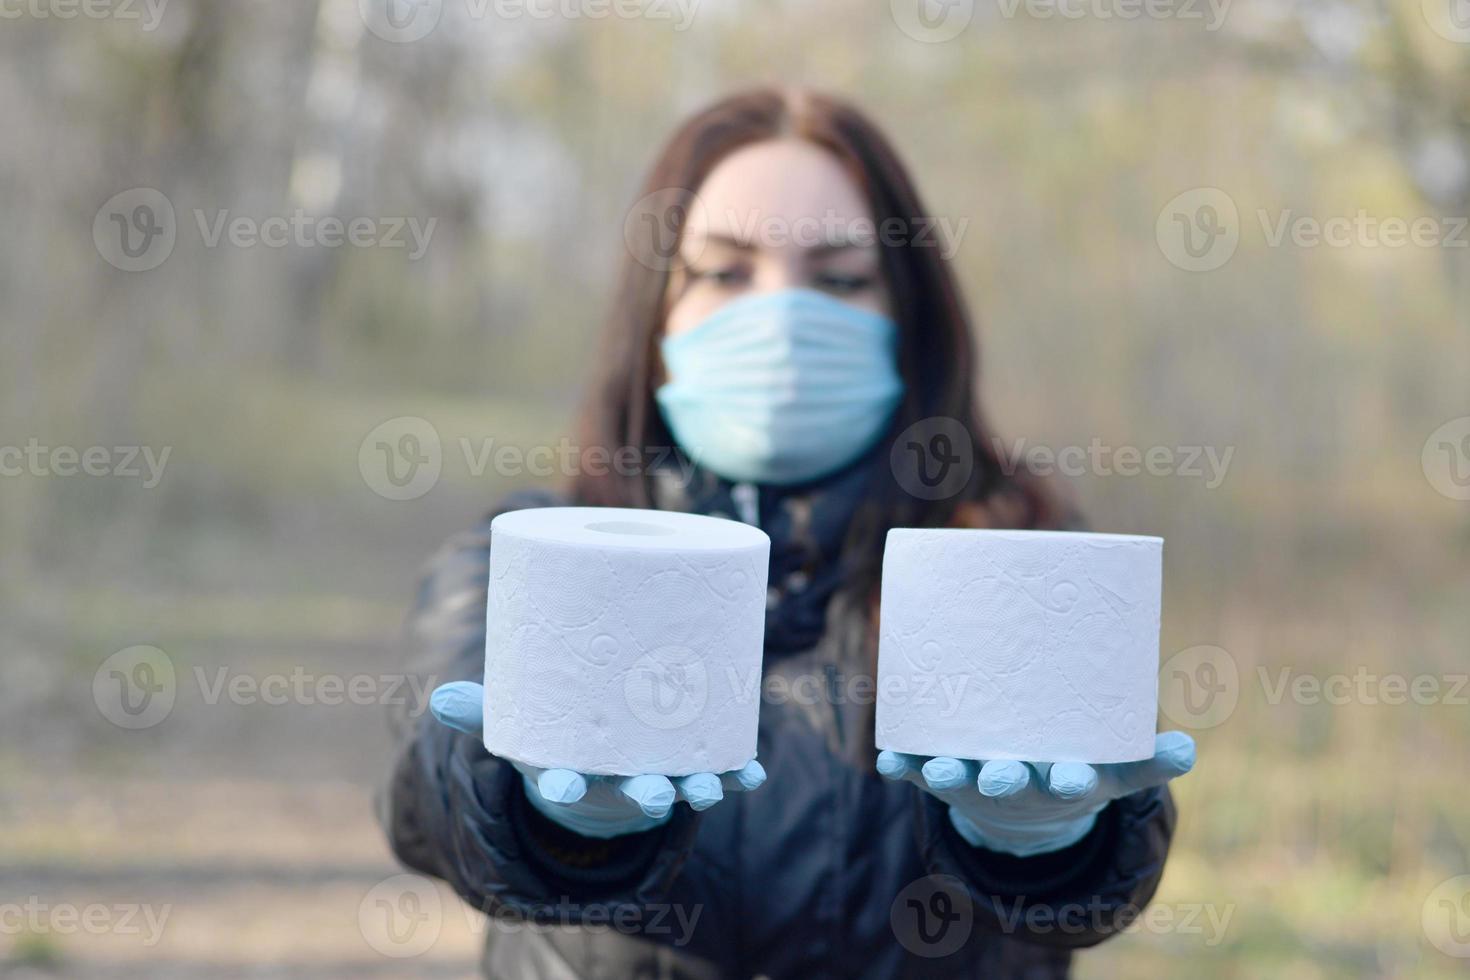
x: 624, y: 641
x: 1032, y: 645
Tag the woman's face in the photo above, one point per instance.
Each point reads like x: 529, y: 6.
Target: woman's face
x: 780, y: 214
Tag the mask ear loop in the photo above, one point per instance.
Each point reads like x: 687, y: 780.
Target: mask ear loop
x: 747, y: 502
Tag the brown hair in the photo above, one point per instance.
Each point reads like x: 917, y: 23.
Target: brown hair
x: 937, y: 356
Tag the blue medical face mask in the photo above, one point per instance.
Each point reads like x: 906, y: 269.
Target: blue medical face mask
x: 782, y: 387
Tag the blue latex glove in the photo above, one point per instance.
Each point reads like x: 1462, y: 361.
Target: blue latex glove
x: 1027, y: 808
x: 596, y: 806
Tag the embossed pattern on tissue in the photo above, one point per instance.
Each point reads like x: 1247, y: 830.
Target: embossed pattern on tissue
x: 1021, y: 603
x: 622, y: 661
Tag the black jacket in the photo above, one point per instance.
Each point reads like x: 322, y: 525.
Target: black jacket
x: 828, y: 870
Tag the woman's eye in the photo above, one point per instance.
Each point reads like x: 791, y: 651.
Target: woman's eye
x: 836, y: 282
x: 724, y: 276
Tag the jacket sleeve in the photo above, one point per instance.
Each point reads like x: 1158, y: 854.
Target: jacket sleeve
x: 453, y: 811
x: 1071, y: 898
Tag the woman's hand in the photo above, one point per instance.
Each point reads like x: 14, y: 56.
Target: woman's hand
x: 596, y: 806
x: 1027, y: 808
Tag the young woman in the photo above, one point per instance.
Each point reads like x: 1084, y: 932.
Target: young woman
x: 785, y: 315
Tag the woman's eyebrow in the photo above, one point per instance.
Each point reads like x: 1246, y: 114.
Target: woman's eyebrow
x: 727, y: 240
x: 839, y: 245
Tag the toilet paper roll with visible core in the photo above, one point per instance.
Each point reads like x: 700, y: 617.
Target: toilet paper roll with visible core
x: 624, y: 641
x: 1040, y: 646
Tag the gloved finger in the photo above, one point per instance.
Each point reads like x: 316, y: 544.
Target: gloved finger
x: 701, y: 790
x: 1174, y: 755
x: 1003, y: 778
x: 1071, y: 780
x: 561, y: 786
x: 744, y: 779
x: 901, y: 765
x: 654, y: 794
x: 460, y: 705
x: 944, y: 774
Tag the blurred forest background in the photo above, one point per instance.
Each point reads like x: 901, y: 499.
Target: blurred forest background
x: 1331, y: 546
